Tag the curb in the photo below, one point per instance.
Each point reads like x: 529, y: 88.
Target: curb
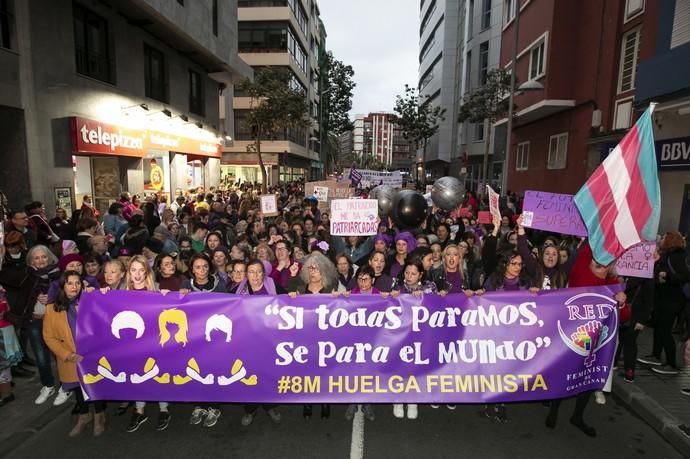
x: 40, y: 422
x: 652, y: 413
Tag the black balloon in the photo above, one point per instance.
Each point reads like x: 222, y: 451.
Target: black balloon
x: 384, y: 194
x: 447, y: 193
x: 409, y: 209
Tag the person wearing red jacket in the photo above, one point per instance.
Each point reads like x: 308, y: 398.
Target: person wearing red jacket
x: 586, y: 272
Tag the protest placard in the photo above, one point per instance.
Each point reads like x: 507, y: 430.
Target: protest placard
x: 484, y: 217
x: 374, y: 178
x: 354, y: 217
x: 637, y: 261
x: 336, y: 190
x: 269, y: 205
x: 552, y: 212
x: 493, y: 202
x: 321, y: 193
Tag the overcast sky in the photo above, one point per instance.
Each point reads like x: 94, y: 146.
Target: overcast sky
x: 380, y: 40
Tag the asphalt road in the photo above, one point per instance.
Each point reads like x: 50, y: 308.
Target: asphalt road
x: 441, y: 433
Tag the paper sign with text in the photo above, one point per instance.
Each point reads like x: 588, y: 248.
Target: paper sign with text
x: 354, y: 217
x: 493, y: 202
x: 484, y: 217
x: 552, y: 212
x: 321, y: 193
x: 637, y: 261
x: 269, y: 205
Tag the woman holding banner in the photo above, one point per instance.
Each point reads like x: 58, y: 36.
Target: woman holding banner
x: 258, y: 282
x: 140, y: 277
x: 317, y: 276
x: 405, y: 243
x: 59, y: 330
x: 382, y: 281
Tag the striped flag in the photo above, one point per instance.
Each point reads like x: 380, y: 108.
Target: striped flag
x: 621, y: 201
x: 355, y: 176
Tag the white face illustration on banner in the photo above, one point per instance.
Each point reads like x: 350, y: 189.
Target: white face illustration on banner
x: 127, y: 320
x: 221, y: 323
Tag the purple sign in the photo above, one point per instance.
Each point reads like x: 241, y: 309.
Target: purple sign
x: 637, y: 261
x: 552, y: 212
x: 499, y: 347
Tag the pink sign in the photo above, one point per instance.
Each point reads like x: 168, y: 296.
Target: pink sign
x: 484, y: 217
x: 637, y: 261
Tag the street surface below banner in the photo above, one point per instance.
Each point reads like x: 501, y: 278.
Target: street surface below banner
x: 498, y: 347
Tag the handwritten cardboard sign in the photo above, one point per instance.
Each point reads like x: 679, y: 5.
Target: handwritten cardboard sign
x: 637, y: 261
x: 552, y: 212
x: 269, y: 205
x: 354, y: 217
x: 321, y: 193
x: 336, y: 190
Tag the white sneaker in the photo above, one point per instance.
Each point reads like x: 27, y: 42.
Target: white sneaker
x: 62, y: 397
x: 398, y: 411
x: 599, y: 397
x: 44, y: 394
x: 411, y: 411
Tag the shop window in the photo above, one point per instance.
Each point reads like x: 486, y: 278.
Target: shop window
x: 155, y: 74
x: 91, y: 46
x: 558, y: 151
x: 522, y: 157
x: 196, y: 93
x: 6, y: 24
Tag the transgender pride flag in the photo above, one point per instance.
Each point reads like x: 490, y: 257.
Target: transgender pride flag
x: 620, y: 202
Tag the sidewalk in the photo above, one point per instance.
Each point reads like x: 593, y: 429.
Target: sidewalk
x: 23, y: 417
x: 657, y: 398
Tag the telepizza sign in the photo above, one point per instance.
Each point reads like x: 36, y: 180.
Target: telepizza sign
x: 95, y: 137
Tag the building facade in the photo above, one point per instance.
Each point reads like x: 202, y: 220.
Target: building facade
x: 378, y: 137
x: 440, y: 66
x: 101, y: 97
x: 346, y: 147
x: 584, y: 54
x: 481, y: 53
x: 288, y: 34
x: 663, y: 76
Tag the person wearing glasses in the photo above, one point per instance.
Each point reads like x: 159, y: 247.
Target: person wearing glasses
x: 317, y: 276
x: 281, y: 272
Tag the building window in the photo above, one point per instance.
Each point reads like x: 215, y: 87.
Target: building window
x: 468, y: 71
x: 509, y: 9
x: 479, y: 132
x: 297, y: 52
x: 628, y: 65
x: 262, y: 37
x: 558, y: 151
x: 623, y: 115
x: 6, y: 24
x: 483, y: 62
x: 155, y: 74
x: 196, y: 93
x: 537, y: 69
x: 427, y: 47
x: 427, y: 18
x: 91, y: 44
x: 299, y: 13
x: 427, y: 78
x: 486, y: 14
x: 522, y: 158
x: 214, y: 15
x: 633, y: 8
x: 680, y: 33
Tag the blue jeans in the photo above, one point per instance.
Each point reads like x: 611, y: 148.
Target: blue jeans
x: 34, y: 334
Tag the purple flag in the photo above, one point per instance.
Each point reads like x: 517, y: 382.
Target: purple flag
x: 499, y: 347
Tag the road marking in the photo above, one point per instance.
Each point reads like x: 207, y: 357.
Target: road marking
x: 357, y: 442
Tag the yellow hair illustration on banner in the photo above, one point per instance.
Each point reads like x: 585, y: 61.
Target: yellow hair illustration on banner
x: 173, y: 316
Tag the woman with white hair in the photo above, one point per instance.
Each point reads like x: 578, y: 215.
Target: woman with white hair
x: 317, y: 276
x: 29, y: 309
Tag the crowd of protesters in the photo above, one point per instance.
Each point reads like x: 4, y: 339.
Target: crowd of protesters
x: 218, y: 241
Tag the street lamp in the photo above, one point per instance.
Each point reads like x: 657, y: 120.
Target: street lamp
x: 531, y: 85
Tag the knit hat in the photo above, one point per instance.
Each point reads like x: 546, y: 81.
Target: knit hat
x: 69, y: 258
x: 383, y: 237
x: 69, y: 247
x: 407, y: 237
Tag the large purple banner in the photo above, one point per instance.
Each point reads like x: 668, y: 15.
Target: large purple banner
x: 499, y: 347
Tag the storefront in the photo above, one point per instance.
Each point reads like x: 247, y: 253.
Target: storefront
x: 673, y: 160
x: 108, y: 159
